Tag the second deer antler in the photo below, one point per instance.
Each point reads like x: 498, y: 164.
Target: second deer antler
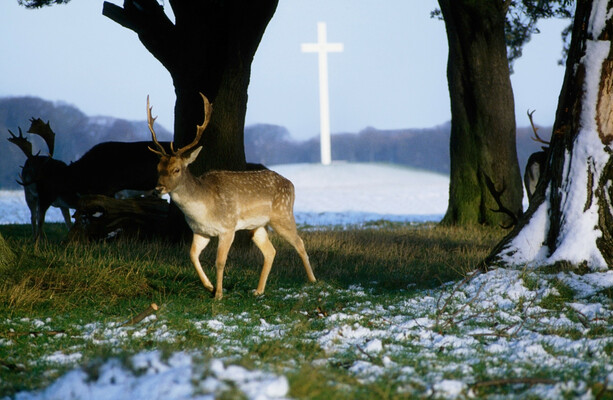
x: 536, y: 137
x: 208, y: 109
x: 21, y: 142
x: 43, y: 130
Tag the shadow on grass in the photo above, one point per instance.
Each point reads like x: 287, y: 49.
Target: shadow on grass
x: 388, y: 258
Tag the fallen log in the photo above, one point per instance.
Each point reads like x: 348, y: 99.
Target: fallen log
x: 103, y: 218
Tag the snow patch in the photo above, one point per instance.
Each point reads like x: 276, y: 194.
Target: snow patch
x: 338, y: 194
x: 151, y: 377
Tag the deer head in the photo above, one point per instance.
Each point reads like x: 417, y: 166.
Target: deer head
x: 172, y: 167
x: 218, y: 203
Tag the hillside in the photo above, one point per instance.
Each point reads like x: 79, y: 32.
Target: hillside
x: 75, y: 132
x: 266, y: 144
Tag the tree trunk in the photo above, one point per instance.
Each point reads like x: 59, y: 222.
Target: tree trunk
x: 571, y: 219
x: 209, y: 49
x: 482, y: 143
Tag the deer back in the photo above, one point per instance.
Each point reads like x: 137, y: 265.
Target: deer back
x: 113, y: 166
x: 222, y: 200
x: 42, y: 177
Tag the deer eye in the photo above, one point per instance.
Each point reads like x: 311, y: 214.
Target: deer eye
x: 176, y: 171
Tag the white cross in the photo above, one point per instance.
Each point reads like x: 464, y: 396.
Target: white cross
x: 323, y: 48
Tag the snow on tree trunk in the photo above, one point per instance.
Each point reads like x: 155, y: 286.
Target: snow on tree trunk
x: 573, y: 223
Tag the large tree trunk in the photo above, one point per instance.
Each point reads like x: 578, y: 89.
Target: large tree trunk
x: 482, y: 143
x: 571, y: 219
x: 209, y: 49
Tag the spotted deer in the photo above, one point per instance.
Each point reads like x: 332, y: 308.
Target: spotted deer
x: 219, y: 203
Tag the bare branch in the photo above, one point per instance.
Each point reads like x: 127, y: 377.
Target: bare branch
x: 144, y: 314
x: 514, y: 381
x: 497, y: 195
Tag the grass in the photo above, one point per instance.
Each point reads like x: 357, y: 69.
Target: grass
x: 60, y: 276
x: 68, y: 298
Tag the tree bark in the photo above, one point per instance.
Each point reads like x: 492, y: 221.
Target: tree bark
x: 482, y: 143
x: 209, y: 49
x: 571, y: 219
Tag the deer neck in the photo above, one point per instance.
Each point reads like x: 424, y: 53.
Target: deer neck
x: 186, y: 190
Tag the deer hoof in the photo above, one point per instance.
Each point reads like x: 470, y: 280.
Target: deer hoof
x: 257, y: 293
x: 218, y: 295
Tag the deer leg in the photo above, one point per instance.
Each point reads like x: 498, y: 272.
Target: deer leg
x: 198, y: 244
x: 288, y: 232
x: 223, y: 247
x: 260, y: 238
x: 40, y: 215
x: 66, y: 215
x: 32, y: 203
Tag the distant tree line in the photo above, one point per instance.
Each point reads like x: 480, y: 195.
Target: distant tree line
x: 418, y: 148
x: 76, y: 132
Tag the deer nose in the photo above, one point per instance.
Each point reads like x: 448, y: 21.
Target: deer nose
x: 160, y: 190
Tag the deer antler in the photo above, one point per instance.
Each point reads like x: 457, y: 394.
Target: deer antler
x: 536, y: 137
x: 43, y: 130
x: 150, y: 121
x: 20, y: 180
x: 208, y: 110
x: 21, y: 142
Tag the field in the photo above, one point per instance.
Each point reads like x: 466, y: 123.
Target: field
x: 390, y: 317
x: 399, y: 311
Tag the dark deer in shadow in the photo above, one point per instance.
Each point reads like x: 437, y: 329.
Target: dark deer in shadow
x: 105, y: 169
x: 37, y: 169
x: 536, y: 162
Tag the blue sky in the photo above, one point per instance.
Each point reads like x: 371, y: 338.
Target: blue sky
x: 391, y: 74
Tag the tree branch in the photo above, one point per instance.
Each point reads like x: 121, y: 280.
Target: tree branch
x: 514, y: 381
x: 147, y: 19
x: 139, y: 16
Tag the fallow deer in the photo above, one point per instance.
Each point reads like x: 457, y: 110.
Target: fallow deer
x: 219, y: 203
x: 536, y: 162
x: 50, y: 182
x: 39, y: 168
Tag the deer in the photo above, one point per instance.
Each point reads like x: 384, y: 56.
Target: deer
x: 536, y: 162
x: 50, y: 182
x: 38, y: 168
x: 219, y: 203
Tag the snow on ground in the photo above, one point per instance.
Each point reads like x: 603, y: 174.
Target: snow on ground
x: 150, y: 376
x: 432, y: 341
x: 342, y: 193
x: 353, y: 193
x: 435, y: 343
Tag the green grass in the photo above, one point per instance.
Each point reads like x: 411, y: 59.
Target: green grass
x: 74, y: 284
x: 70, y: 298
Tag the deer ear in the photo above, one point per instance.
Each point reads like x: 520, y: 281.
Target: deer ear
x: 193, y: 155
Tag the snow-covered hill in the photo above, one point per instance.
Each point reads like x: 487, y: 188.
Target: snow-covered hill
x: 342, y: 193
